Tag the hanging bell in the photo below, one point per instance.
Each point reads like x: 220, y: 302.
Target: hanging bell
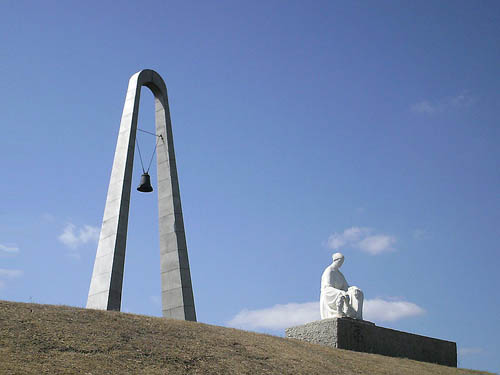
x: 145, y: 185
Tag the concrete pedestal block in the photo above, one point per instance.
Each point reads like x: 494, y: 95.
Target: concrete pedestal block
x: 363, y: 336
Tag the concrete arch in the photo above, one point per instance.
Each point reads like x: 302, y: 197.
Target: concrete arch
x: 107, y: 278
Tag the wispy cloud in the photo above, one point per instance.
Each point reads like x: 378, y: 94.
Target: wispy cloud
x: 8, y: 249
x: 424, y: 107
x: 389, y: 311
x: 348, y: 236
x: 469, y: 351
x: 74, y: 237
x: 9, y: 273
x: 362, y: 238
x: 376, y: 244
x: 280, y: 317
x: 276, y: 317
x: 463, y: 100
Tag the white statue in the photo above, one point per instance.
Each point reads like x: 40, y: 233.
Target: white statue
x: 338, y: 299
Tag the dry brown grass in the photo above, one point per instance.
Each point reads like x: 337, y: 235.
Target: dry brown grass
x: 45, y: 339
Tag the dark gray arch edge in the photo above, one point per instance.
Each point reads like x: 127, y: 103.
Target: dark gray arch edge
x: 107, y: 277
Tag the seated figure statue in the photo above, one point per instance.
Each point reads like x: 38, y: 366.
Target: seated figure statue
x: 337, y: 298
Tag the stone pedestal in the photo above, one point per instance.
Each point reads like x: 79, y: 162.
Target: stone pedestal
x: 363, y: 336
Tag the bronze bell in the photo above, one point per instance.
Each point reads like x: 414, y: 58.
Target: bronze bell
x: 145, y: 185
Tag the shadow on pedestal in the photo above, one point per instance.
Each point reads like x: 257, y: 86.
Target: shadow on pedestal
x: 363, y: 336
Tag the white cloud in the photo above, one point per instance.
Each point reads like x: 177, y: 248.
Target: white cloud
x: 388, y: 311
x: 469, y: 351
x: 350, y: 235
x: 283, y: 316
x: 276, y: 317
x: 10, y: 274
x: 463, y: 100
x: 424, y: 107
x: 376, y: 244
x: 9, y: 249
x: 73, y: 237
x: 361, y: 238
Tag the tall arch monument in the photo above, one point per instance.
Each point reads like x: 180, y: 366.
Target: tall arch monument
x: 106, y: 284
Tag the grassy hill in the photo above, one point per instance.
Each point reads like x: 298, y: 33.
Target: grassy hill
x: 45, y: 339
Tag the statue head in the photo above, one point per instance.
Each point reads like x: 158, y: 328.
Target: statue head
x: 338, y: 260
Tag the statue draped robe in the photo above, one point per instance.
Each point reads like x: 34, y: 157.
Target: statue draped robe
x: 337, y: 298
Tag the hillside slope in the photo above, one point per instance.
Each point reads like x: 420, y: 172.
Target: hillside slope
x: 45, y: 339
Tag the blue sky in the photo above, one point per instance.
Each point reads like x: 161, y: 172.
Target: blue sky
x: 301, y: 128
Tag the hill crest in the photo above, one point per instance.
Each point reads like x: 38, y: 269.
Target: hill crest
x: 37, y: 339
